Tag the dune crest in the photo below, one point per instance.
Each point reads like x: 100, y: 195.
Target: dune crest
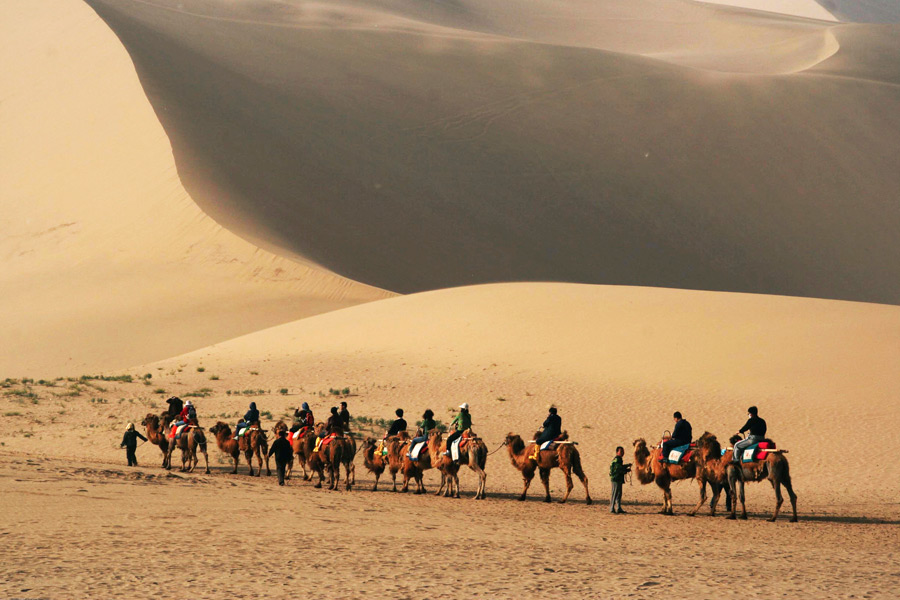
x: 107, y: 260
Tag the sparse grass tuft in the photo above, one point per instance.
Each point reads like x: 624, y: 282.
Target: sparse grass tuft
x: 214, y: 377
x: 201, y: 369
x: 283, y: 391
x: 159, y: 391
x: 201, y: 393
x: 13, y: 413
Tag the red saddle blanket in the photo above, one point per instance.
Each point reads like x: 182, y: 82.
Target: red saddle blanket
x: 327, y: 440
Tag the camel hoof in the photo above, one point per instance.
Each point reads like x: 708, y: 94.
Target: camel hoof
x: 793, y: 519
x: 521, y: 498
x: 588, y: 501
x: 743, y: 517
x: 731, y: 518
x: 318, y: 486
x: 772, y: 520
x: 207, y: 472
x: 548, y: 500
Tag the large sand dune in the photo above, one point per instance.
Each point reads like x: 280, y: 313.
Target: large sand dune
x: 420, y: 145
x: 107, y: 261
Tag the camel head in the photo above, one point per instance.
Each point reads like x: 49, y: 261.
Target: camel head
x: 151, y: 419
x: 735, y: 439
x: 709, y: 446
x: 515, y: 443
x: 220, y: 427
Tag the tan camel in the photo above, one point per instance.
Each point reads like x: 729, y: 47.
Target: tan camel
x: 329, y: 458
x: 773, y: 467
x: 232, y: 447
x: 190, y: 440
x: 565, y: 456
x: 648, y: 469
x: 472, y: 452
x: 156, y: 435
x: 255, y: 443
x: 398, y: 460
x: 374, y: 461
x: 711, y: 469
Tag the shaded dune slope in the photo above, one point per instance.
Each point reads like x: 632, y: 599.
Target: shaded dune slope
x: 428, y: 156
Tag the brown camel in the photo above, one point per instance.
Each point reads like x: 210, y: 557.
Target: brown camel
x: 565, y: 456
x: 254, y: 443
x: 188, y: 442
x: 156, y: 435
x: 374, y: 461
x: 398, y: 460
x: 301, y: 446
x: 711, y: 469
x: 330, y: 457
x: 647, y: 468
x: 472, y: 452
x: 231, y: 447
x: 773, y: 467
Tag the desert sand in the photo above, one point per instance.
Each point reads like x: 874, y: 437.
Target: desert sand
x: 222, y: 201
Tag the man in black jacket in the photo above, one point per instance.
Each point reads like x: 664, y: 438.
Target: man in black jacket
x: 283, y: 452
x: 681, y: 435
x: 345, y: 416
x: 398, y: 425
x: 550, y: 430
x: 129, y: 442
x: 757, y: 429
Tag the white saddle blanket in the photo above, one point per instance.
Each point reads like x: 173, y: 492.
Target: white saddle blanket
x: 416, y: 450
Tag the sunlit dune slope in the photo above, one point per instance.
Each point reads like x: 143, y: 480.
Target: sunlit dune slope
x: 616, y: 360
x: 106, y: 259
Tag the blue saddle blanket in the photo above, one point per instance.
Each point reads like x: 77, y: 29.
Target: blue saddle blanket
x: 676, y: 454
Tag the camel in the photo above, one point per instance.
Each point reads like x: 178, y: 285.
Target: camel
x: 156, y: 434
x: 331, y: 457
x: 398, y: 460
x: 773, y: 467
x: 472, y: 452
x: 565, y: 456
x: 254, y: 443
x: 648, y: 469
x: 374, y: 461
x: 231, y: 447
x: 188, y: 443
x: 302, y: 447
x: 711, y: 469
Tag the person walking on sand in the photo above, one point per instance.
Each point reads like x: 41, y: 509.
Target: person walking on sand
x: 129, y: 442
x: 617, y: 472
x: 283, y: 452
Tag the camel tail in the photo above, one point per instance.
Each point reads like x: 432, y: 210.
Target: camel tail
x: 481, y: 456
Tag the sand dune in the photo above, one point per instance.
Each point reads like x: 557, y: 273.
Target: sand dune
x: 617, y: 361
x: 107, y: 261
x: 809, y: 9
x: 419, y: 146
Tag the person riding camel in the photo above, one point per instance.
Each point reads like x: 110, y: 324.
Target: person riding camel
x: 175, y: 407
x: 250, y: 417
x: 397, y: 426
x: 681, y: 436
x: 550, y: 430
x: 757, y: 433
x: 333, y: 425
x: 188, y: 415
x: 303, y: 417
x: 460, y: 424
x: 345, y: 416
x: 426, y: 426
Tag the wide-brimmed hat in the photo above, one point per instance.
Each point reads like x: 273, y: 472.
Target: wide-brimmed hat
x: 464, y: 406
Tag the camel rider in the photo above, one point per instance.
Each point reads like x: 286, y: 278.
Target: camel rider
x: 550, y: 430
x: 188, y: 415
x: 757, y: 433
x: 345, y: 416
x: 332, y: 425
x: 250, y: 417
x: 303, y: 417
x: 681, y: 436
x: 397, y: 426
x: 425, y: 428
x: 461, y: 423
x: 175, y: 407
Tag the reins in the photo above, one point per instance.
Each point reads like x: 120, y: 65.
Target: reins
x: 498, y: 448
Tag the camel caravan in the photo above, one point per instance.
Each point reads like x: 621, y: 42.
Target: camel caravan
x: 324, y: 449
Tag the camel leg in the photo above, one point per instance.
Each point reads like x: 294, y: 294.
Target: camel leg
x: 662, y: 484
x: 584, y: 481
x: 455, y: 493
x: 248, y: 456
x: 393, y: 480
x: 289, y: 468
x: 779, y: 499
x: 405, y: 487
x: 742, y: 499
x: 792, y: 496
x: 545, y: 479
x: 527, y: 476
x: 349, y: 483
x: 702, y: 483
x: 205, y: 458
x: 717, y: 492
x: 479, y: 493
x: 375, y: 487
x: 236, y: 458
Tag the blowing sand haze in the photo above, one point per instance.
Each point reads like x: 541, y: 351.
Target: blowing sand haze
x: 458, y: 215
